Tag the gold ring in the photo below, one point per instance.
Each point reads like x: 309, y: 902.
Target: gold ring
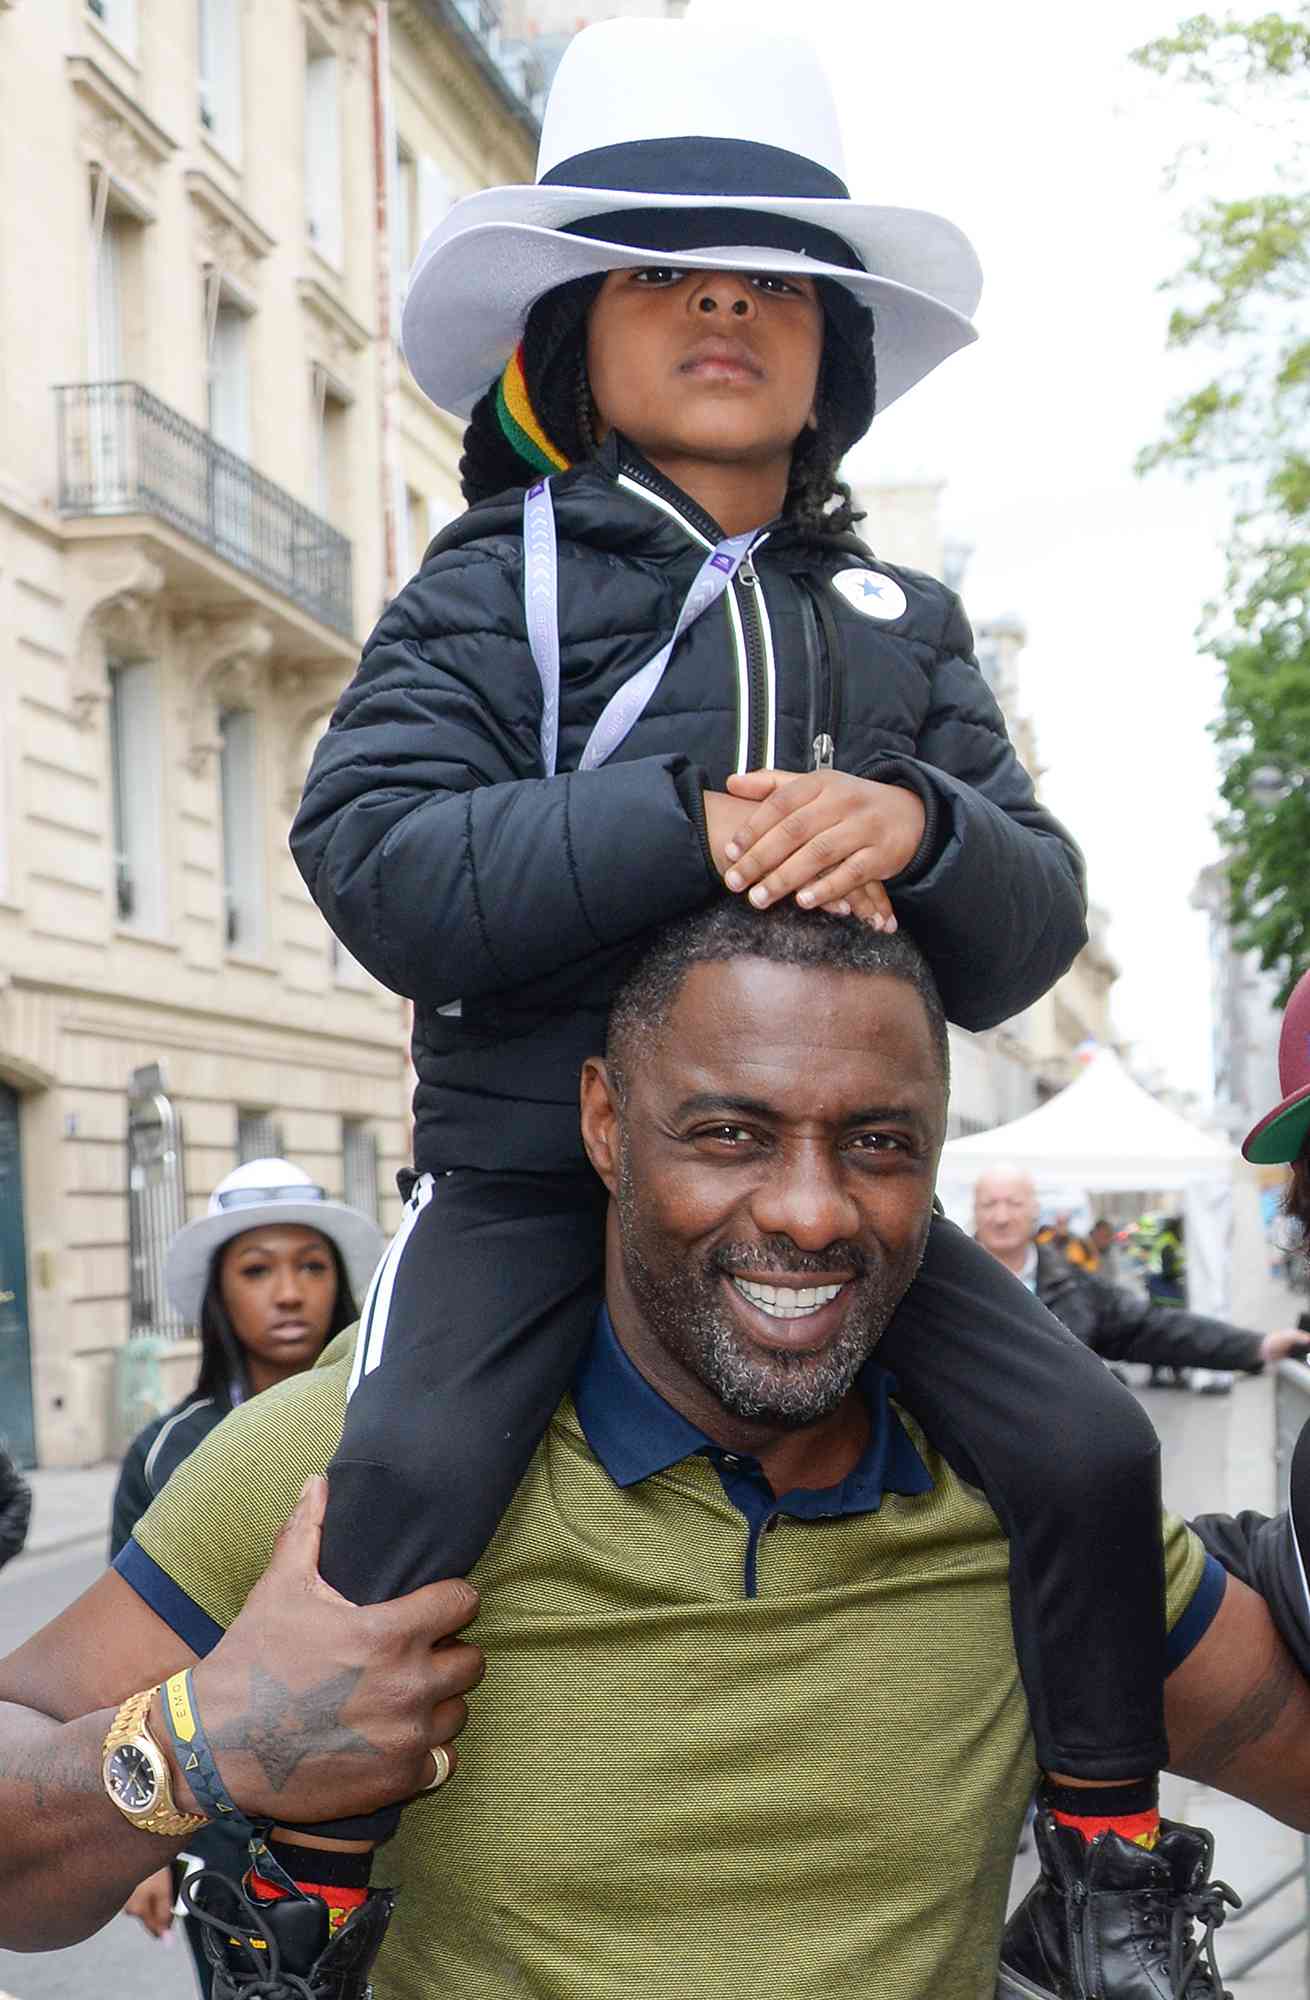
x: 442, y: 1766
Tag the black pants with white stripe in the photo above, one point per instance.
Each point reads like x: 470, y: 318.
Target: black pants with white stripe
x: 473, y: 1327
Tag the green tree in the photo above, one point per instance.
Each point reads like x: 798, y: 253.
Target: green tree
x: 1244, y: 291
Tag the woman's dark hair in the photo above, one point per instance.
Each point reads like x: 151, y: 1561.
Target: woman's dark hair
x: 1296, y: 1201
x: 555, y: 369
x: 222, y: 1357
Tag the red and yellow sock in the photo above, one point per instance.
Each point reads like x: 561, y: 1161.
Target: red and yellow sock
x: 1131, y: 1811
x: 338, y: 1875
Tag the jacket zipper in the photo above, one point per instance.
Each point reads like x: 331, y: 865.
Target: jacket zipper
x: 750, y: 621
x: 1081, y: 1955
x: 693, y: 516
x: 823, y: 748
x: 749, y: 595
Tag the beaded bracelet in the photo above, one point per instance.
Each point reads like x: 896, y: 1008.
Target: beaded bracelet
x: 194, y: 1756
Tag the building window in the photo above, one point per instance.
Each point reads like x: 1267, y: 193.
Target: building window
x: 156, y: 1201
x: 113, y: 320
x: 258, y: 1135
x: 219, y: 27
x: 105, y: 318
x: 436, y: 194
x: 323, y: 218
x: 404, y: 217
x: 229, y: 376
x: 118, y: 19
x: 242, y: 832
x: 359, y: 1157
x: 134, y: 769
x: 331, y: 446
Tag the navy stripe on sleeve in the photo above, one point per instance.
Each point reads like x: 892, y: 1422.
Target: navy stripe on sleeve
x: 1199, y: 1615
x: 167, y: 1600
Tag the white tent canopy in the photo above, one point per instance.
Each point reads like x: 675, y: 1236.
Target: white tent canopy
x: 1105, y: 1134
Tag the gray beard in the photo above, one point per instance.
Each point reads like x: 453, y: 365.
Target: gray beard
x: 684, y: 1309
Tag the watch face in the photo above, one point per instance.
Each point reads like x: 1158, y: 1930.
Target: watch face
x: 131, y: 1778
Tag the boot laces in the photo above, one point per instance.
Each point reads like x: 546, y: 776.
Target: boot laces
x: 269, y: 1980
x: 1192, y: 1967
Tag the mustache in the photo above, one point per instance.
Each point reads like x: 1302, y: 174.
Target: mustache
x: 778, y: 1254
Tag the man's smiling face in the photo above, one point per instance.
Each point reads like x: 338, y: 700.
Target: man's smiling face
x: 772, y: 1171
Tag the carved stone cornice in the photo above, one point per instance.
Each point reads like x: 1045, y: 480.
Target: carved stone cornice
x: 347, y: 24
x: 116, y: 133
x: 114, y: 600
x: 229, y: 235
x: 306, y: 695
x: 222, y: 661
x: 460, y: 79
x: 343, y: 334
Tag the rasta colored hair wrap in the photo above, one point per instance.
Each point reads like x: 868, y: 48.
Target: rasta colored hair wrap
x: 520, y: 422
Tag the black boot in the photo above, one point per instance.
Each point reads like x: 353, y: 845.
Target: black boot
x: 1109, y: 1920
x: 283, y: 1950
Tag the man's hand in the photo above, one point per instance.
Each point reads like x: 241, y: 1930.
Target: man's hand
x: 1288, y: 1344
x: 151, y: 1902
x: 829, y: 839
x: 317, y: 1708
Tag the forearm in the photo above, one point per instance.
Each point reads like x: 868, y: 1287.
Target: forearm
x: 68, y: 1858
x: 1167, y: 1337
x: 1238, y: 1712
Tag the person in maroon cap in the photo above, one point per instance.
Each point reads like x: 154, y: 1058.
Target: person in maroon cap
x: 1273, y: 1556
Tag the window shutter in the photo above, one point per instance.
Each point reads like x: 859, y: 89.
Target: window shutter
x: 242, y: 831
x: 435, y: 196
x: 135, y: 777
x: 229, y: 381
x: 402, y: 234
x: 220, y: 73
x: 323, y: 156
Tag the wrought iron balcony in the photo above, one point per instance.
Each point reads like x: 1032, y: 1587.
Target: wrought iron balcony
x: 122, y: 451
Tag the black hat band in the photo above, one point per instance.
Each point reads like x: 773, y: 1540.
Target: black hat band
x: 697, y: 165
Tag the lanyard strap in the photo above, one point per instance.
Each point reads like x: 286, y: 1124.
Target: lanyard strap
x: 541, y: 605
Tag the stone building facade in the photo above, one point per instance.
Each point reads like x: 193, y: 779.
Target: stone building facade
x: 1007, y: 1071
x: 213, y: 470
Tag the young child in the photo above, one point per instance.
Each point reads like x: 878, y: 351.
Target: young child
x: 651, y: 663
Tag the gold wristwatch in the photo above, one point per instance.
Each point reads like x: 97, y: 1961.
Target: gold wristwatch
x: 136, y: 1774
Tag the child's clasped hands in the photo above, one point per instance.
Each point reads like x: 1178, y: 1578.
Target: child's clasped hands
x: 825, y: 837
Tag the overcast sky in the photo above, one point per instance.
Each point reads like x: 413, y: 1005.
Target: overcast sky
x: 1028, y: 126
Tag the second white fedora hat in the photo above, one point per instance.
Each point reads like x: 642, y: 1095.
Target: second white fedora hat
x: 732, y: 132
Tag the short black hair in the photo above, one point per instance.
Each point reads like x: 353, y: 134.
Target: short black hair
x: 785, y: 934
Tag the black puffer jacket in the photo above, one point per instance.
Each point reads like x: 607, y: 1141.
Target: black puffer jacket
x: 1121, y: 1325
x: 154, y: 1456
x: 15, y: 1508
x: 446, y: 862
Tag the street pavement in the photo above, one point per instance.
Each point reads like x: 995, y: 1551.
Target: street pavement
x: 1218, y: 1455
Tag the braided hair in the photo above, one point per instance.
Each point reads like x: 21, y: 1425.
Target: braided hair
x: 549, y: 373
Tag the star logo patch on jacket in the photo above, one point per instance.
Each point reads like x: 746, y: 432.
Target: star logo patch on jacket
x: 872, y: 593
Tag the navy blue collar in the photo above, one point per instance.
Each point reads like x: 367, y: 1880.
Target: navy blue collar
x: 635, y: 1433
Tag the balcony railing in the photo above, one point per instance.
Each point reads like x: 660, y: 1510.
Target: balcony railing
x: 122, y: 451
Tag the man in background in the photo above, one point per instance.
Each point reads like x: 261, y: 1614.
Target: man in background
x: 1113, y: 1321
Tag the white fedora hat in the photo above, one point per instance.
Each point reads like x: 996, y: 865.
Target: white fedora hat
x: 734, y: 132
x: 251, y: 1197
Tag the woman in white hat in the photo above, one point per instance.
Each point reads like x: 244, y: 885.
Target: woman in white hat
x: 269, y: 1275
x: 651, y: 665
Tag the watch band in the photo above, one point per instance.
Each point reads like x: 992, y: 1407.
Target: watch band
x: 130, y: 1725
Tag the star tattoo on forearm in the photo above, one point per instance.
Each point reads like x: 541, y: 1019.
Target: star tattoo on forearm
x: 284, y: 1726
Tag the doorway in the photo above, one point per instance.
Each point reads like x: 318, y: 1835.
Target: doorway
x: 16, y: 1426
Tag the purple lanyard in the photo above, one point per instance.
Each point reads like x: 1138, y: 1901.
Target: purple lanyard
x: 541, y: 604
